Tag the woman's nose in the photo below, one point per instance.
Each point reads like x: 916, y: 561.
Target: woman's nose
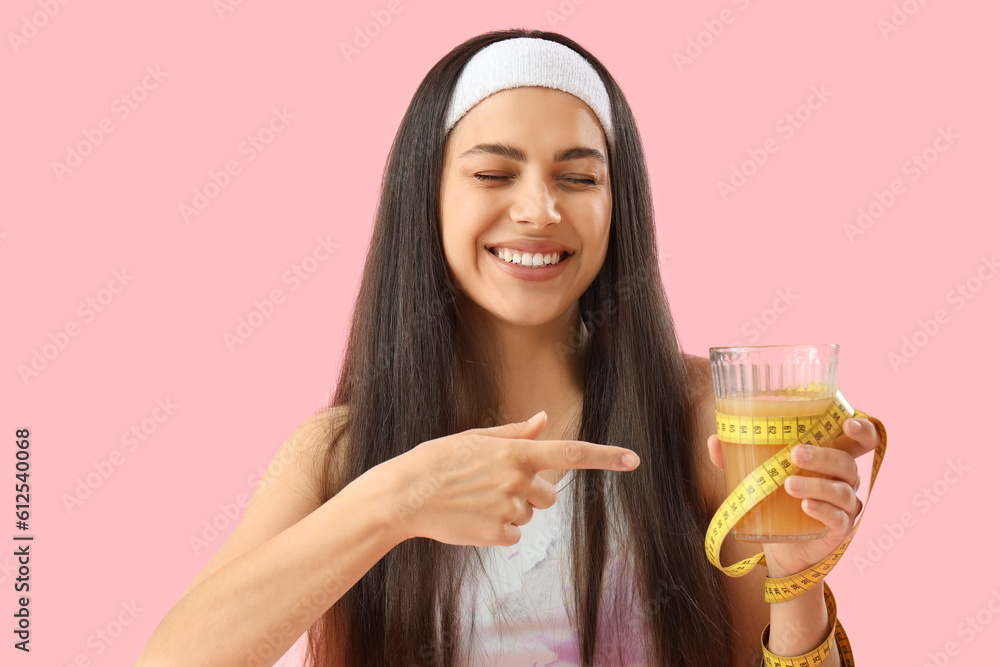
x: 534, y: 202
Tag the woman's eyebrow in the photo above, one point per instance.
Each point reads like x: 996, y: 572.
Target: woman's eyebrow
x: 516, y: 154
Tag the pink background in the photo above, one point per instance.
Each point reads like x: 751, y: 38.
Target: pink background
x: 888, y: 93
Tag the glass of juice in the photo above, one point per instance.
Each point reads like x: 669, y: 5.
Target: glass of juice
x: 765, y: 397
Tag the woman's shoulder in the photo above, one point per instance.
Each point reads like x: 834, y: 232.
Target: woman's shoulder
x: 315, y: 431
x: 702, y: 393
x: 303, y: 458
x: 313, y: 437
x: 699, y: 373
x: 326, y: 418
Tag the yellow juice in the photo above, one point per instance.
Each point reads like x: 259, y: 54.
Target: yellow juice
x: 779, y: 517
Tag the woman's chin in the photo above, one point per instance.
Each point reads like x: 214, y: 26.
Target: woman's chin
x: 516, y: 316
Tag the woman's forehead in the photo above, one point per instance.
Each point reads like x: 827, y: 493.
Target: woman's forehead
x: 542, y: 115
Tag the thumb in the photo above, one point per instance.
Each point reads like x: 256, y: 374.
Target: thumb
x: 530, y: 428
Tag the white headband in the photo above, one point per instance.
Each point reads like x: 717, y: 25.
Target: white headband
x: 529, y: 61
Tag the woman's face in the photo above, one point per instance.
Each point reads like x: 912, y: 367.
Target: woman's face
x: 525, y: 171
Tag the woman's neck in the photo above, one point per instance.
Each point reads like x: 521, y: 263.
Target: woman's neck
x: 541, y: 368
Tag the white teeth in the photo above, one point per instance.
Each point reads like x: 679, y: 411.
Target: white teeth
x: 528, y: 259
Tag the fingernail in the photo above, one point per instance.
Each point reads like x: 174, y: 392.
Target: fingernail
x: 538, y: 415
x: 794, y: 484
x: 630, y: 460
x: 854, y: 426
x: 801, y: 454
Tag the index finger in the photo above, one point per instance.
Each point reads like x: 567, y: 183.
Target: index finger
x: 565, y: 454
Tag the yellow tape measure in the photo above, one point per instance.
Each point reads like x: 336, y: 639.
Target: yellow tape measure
x: 766, y: 479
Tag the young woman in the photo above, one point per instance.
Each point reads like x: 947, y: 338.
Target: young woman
x: 465, y: 500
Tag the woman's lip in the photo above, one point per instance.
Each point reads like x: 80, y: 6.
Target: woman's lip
x: 524, y: 273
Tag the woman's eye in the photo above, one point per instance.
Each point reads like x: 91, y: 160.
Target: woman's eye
x: 571, y: 179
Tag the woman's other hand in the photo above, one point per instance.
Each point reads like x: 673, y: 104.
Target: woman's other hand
x: 831, y: 499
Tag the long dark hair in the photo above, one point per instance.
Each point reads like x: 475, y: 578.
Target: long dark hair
x: 414, y: 371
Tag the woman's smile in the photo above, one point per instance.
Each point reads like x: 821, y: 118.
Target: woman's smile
x: 540, y: 268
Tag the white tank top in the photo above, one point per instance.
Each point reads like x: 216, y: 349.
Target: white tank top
x: 521, y: 618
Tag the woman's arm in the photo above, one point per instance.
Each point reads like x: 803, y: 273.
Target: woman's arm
x: 279, y: 572
x: 798, y: 625
x: 286, y: 563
